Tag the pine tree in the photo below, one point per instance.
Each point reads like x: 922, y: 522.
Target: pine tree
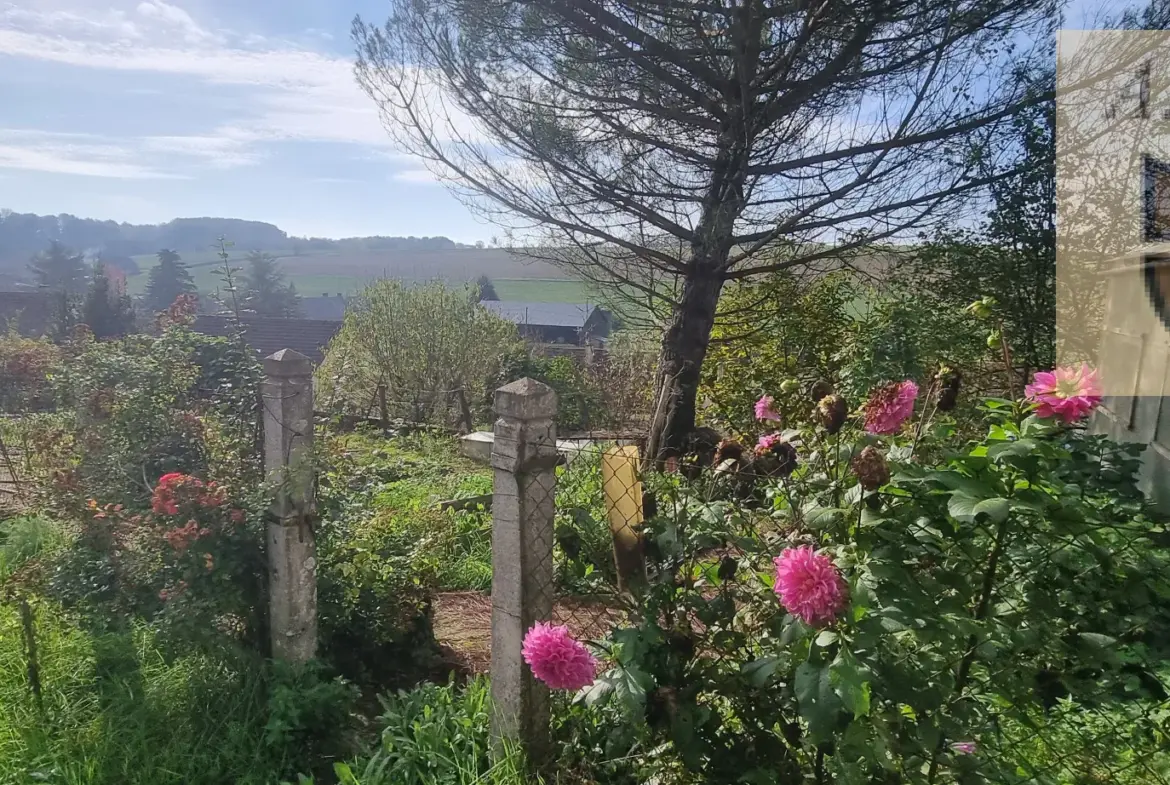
x: 59, y: 269
x: 106, y: 311
x: 487, y: 291
x: 265, y: 291
x: 168, y: 280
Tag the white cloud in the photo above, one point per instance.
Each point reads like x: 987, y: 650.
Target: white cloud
x: 293, y: 92
x: 174, y: 17
x: 137, y: 158
x: 73, y: 154
x: 298, y: 94
x: 69, y: 23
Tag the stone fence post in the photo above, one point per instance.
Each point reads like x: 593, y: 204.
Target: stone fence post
x: 524, y: 457
x: 292, y: 556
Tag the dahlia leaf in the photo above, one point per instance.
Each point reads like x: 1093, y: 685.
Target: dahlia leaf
x: 851, y: 683
x: 995, y: 509
x: 817, y: 702
x: 759, y: 672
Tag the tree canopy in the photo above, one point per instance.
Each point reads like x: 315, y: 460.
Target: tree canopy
x: 417, y: 341
x: 674, y: 145
x: 168, y: 280
x: 59, y: 269
x: 106, y: 310
x: 265, y: 291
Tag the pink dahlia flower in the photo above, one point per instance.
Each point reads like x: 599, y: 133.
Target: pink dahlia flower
x: 768, y: 441
x: 1067, y: 393
x: 764, y: 410
x: 809, y: 586
x: 557, y: 659
x: 890, y: 406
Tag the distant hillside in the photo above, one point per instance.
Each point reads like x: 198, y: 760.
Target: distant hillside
x: 24, y: 234
x: 347, y: 272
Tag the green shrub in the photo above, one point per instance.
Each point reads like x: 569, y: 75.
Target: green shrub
x: 422, y: 342
x: 437, y: 735
x: 782, y: 328
x: 383, y: 547
x: 578, y: 397
x: 985, y: 585
x: 311, y: 712
x: 26, y: 368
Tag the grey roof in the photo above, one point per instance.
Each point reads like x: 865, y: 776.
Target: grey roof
x: 269, y: 334
x: 542, y: 314
x: 327, y: 308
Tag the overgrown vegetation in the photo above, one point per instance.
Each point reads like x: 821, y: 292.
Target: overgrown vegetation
x: 433, y: 348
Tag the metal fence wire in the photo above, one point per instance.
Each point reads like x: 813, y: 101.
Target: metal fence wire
x: 969, y: 647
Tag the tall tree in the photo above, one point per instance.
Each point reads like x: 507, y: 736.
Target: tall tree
x: 485, y: 288
x: 59, y: 269
x: 702, y: 141
x: 265, y: 291
x: 1011, y: 255
x: 107, y: 311
x: 169, y: 279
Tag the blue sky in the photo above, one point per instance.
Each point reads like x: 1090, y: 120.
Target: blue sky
x: 147, y: 110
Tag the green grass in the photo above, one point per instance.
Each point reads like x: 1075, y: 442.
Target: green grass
x: 116, y: 711
x: 543, y: 290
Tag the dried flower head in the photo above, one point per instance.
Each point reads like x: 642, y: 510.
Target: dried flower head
x: 890, y: 406
x: 557, y: 659
x: 728, y: 450
x: 819, y: 389
x: 871, y: 469
x: 949, y: 381
x: 809, y: 585
x: 1068, y: 393
x: 830, y: 413
x: 776, y: 457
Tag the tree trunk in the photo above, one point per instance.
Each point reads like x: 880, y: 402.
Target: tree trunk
x: 684, y: 346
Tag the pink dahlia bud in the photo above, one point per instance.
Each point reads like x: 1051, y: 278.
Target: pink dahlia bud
x: 831, y: 412
x: 871, y: 469
x: 1068, y: 393
x: 765, y: 410
x: 557, y: 659
x: 809, y: 585
x: 890, y: 406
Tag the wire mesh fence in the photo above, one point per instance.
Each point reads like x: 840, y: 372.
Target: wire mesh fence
x: 846, y: 609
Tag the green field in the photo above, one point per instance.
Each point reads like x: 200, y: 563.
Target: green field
x: 207, y: 270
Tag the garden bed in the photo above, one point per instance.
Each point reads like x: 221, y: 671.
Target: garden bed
x: 463, y: 625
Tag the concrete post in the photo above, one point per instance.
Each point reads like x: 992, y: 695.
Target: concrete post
x: 292, y: 557
x: 524, y: 457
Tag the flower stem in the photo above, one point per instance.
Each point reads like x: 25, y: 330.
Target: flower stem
x: 981, y: 609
